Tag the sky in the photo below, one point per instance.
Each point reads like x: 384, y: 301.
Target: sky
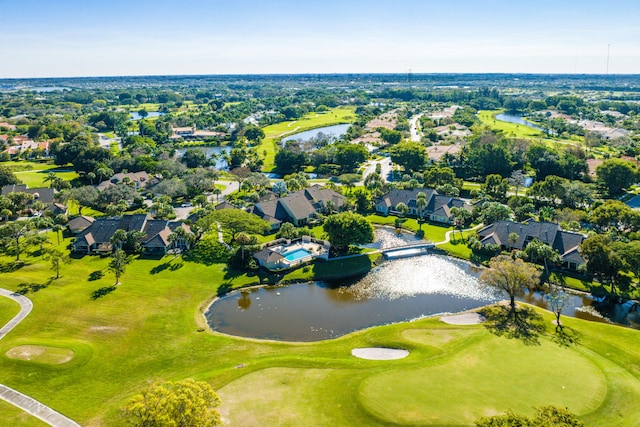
x: 68, y: 38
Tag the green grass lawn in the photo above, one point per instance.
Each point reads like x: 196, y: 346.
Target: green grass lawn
x: 432, y: 231
x: 308, y: 121
x: 150, y: 327
x: 35, y: 178
x: 8, y: 309
x: 74, y: 209
x: 15, y: 417
x: 514, y: 130
x: 148, y: 106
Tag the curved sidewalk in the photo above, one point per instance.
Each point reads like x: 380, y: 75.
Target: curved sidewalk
x: 26, y: 403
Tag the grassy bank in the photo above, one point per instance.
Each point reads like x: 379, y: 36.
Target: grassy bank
x: 274, y: 133
x: 515, y: 130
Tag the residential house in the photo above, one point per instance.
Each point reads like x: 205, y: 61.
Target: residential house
x: 42, y: 195
x: 511, y: 235
x: 96, y: 237
x: 283, y: 253
x: 438, y: 208
x: 192, y: 134
x: 80, y: 223
x: 56, y: 209
x: 298, y: 207
x: 139, y: 179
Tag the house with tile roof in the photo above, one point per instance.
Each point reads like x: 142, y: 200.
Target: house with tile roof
x: 438, y: 207
x: 95, y: 236
x: 566, y: 243
x: 139, y: 179
x: 298, y: 207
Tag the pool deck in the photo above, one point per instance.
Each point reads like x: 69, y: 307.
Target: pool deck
x: 282, y: 248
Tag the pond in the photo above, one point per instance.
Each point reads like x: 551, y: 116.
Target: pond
x: 397, y: 291
x: 135, y: 116
x: 390, y: 293
x: 334, y: 132
x: 512, y: 118
x: 209, y: 151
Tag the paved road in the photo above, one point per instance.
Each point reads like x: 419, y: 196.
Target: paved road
x: 26, y: 403
x: 413, y: 124
x: 385, y: 165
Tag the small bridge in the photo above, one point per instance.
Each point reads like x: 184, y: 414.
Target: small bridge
x: 406, y: 251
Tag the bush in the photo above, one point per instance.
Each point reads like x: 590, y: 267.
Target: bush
x: 208, y: 251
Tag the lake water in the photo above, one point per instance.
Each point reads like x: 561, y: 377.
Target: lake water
x: 135, y: 116
x: 209, y: 151
x: 511, y: 118
x: 396, y: 291
x: 335, y: 132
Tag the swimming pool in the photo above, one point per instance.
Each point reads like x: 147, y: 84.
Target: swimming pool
x: 296, y: 254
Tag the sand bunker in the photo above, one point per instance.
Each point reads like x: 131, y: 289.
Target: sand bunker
x: 463, y: 319
x: 379, y: 353
x: 41, y: 354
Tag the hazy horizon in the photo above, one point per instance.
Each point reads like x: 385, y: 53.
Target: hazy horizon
x: 76, y: 38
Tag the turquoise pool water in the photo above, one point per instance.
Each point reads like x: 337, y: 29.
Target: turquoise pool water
x: 297, y: 254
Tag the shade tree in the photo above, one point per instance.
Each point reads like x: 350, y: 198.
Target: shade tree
x: 510, y: 276
x: 174, y: 404
x: 347, y: 228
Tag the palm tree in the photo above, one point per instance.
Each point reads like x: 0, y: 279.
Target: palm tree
x: 244, y: 239
x: 5, y: 214
x: 91, y: 176
x: 373, y: 182
x: 330, y: 206
x: 118, y: 263
x: 421, y: 203
x: 217, y: 192
x: 179, y: 238
x: 118, y: 238
x: 51, y: 178
x: 57, y: 228
x: 402, y: 209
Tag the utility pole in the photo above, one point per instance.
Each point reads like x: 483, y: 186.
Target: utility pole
x: 608, y: 52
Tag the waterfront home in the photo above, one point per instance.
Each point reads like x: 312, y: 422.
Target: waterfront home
x: 511, y: 235
x: 438, y: 208
x: 298, y: 207
x: 282, y: 254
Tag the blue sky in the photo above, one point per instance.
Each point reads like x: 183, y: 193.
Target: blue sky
x: 44, y: 38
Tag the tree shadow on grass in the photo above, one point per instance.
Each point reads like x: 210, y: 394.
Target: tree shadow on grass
x: 224, y: 289
x: 565, y: 336
x: 96, y: 275
x: 169, y: 265
x: 25, y: 288
x: 11, y: 266
x: 524, y: 324
x: 101, y: 292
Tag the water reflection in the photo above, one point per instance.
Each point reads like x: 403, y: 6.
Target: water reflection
x: 389, y: 238
x: 396, y: 291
